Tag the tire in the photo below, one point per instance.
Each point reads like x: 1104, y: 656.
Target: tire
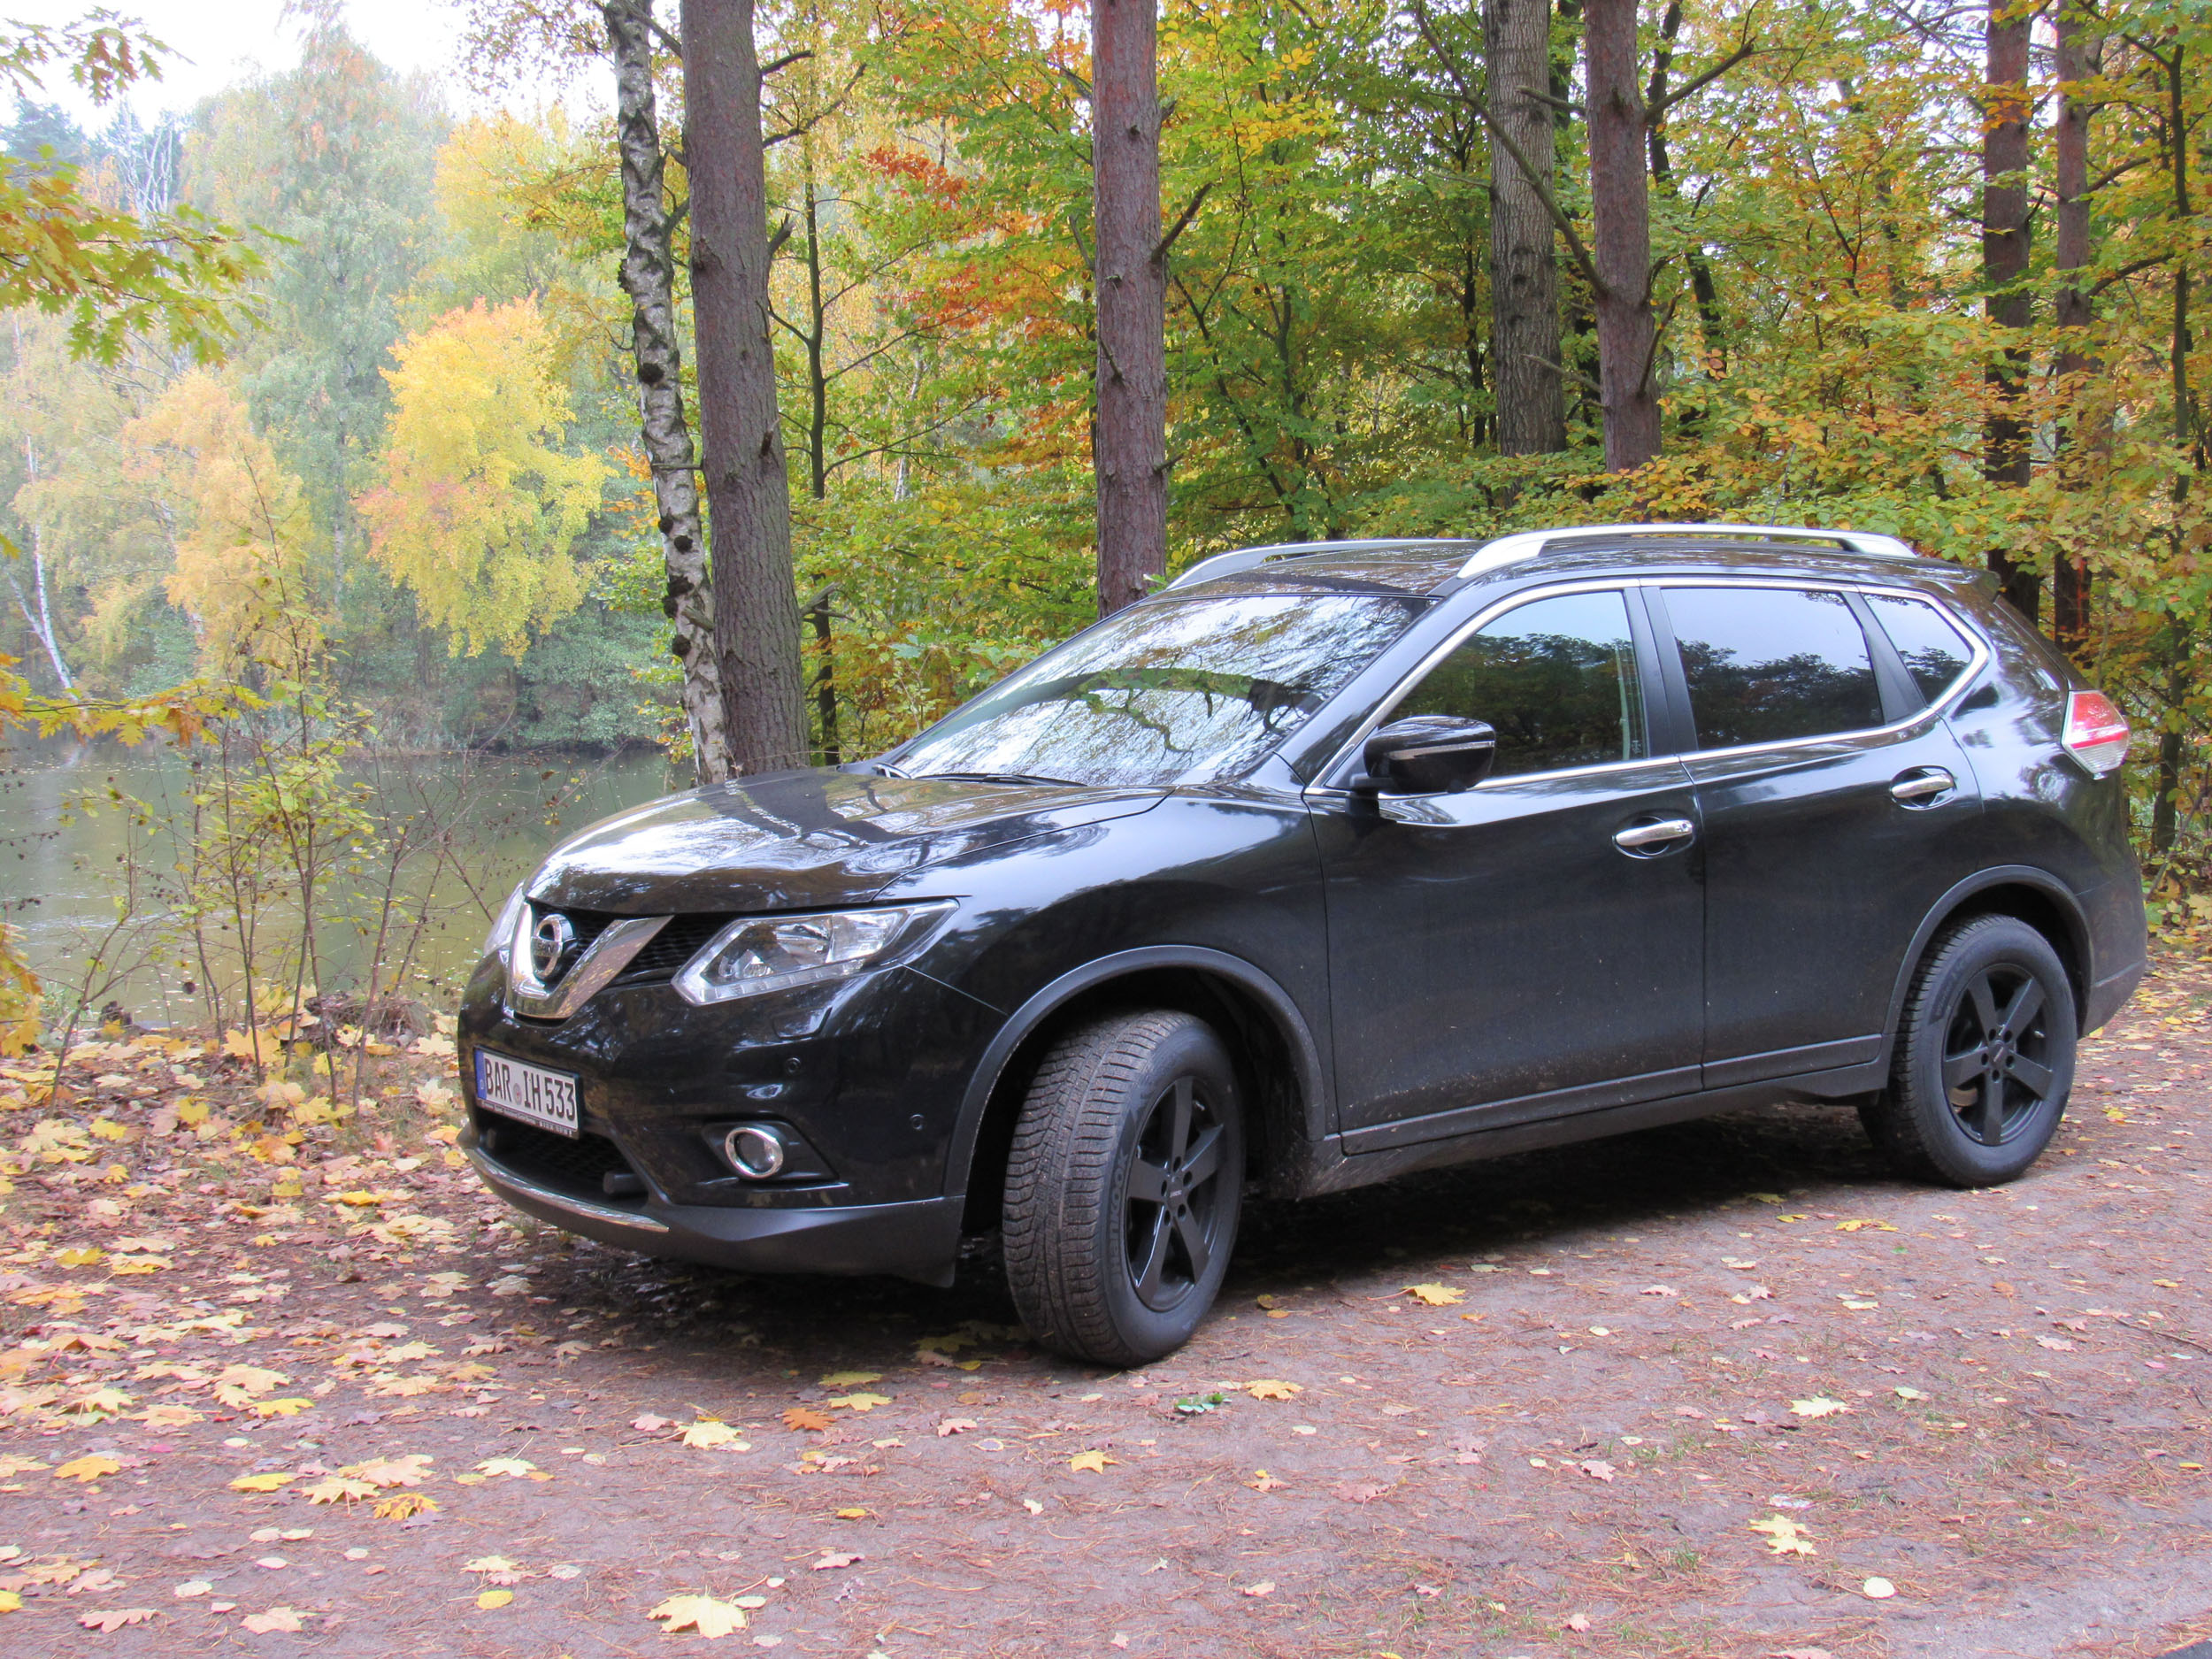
x: 1985, y: 1057
x: 1099, y: 1271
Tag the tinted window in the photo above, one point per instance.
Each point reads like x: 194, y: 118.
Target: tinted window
x: 1556, y: 678
x: 1765, y: 664
x: 1935, y: 652
x: 1180, y: 691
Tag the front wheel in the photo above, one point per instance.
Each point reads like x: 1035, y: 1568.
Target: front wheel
x: 1122, y: 1186
x: 1985, y: 1057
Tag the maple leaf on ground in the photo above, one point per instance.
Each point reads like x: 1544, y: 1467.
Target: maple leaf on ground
x: 1268, y: 1388
x: 269, y: 1482
x: 1818, y: 1406
x: 805, y: 1419
x: 289, y: 1406
x: 403, y: 1506
x: 1366, y: 1492
x: 708, y: 1434
x: 164, y: 1415
x: 252, y: 1379
x: 513, y: 1467
x: 859, y: 1402
x: 954, y: 1426
x: 276, y: 1619
x: 494, y: 1599
x: 1091, y: 1462
x: 648, y: 1424
x: 1784, y: 1537
x: 339, y: 1489
x: 703, y: 1613
x: 86, y: 1469
x: 1434, y: 1295
x: 114, y: 1618
x: 1266, y: 1586
x: 831, y: 1562
x: 1597, y: 1469
x: 410, y: 1470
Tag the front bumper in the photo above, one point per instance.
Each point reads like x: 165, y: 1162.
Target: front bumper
x: 919, y: 1240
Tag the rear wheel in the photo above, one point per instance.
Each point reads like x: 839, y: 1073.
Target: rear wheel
x: 1985, y: 1057
x: 1122, y: 1186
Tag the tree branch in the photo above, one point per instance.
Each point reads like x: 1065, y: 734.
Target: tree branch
x: 784, y: 61
x: 1182, y: 222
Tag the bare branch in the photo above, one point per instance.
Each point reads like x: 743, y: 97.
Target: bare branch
x: 1182, y: 222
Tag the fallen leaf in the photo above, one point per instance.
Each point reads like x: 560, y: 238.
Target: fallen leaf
x: 403, y: 1506
x: 1033, y: 1506
x: 649, y: 1423
x: 708, y: 1434
x: 1597, y: 1469
x: 410, y: 1470
x: 289, y: 1406
x: 806, y: 1420
x: 86, y: 1469
x: 1432, y: 1295
x: 276, y: 1619
x: 115, y: 1618
x: 1660, y: 1290
x: 2056, y: 1344
x: 488, y: 1563
x: 338, y: 1489
x: 491, y: 1599
x: 1859, y: 1226
x: 1800, y: 1653
x: 269, y: 1482
x: 1909, y: 1394
x: 10, y: 1601
x: 1579, y: 1623
x: 852, y: 1515
x: 1091, y: 1461
x: 1818, y: 1406
x: 1878, y: 1589
x: 859, y: 1402
x: 1784, y: 1537
x: 831, y: 1562
x: 954, y: 1426
x: 1266, y: 1586
x: 703, y: 1613
x: 850, y: 1379
x: 1268, y: 1388
x: 514, y: 1468
x: 1365, y: 1492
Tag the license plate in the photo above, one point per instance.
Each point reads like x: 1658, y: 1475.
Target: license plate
x: 528, y: 1092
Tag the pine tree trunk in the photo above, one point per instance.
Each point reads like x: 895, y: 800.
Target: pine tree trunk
x: 2077, y: 63
x: 649, y: 277
x: 1130, y: 438
x: 748, y: 493
x: 2005, y: 247
x: 1532, y: 417
x: 1620, y: 225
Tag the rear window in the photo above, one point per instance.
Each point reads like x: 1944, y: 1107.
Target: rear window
x: 1935, y: 652
x: 1770, y: 664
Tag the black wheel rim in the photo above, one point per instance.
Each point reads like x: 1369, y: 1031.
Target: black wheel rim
x: 1172, y: 1218
x: 1997, y: 1067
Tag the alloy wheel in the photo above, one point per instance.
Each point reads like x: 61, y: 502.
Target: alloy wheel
x: 1172, y: 1218
x: 1994, y: 1053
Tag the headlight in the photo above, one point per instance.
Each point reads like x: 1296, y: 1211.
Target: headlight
x: 496, y: 941
x: 774, y: 953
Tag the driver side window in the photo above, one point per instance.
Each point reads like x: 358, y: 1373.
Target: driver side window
x: 1556, y: 678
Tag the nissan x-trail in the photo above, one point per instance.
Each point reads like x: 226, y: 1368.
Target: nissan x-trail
x: 1327, y: 864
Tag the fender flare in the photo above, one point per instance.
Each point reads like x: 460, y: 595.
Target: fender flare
x: 1311, y: 1077
x: 2063, y: 899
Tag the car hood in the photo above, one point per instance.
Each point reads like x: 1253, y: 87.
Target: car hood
x: 792, y: 840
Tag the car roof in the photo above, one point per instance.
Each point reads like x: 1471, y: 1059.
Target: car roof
x: 1434, y: 568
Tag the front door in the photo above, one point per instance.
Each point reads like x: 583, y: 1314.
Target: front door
x: 1531, y: 946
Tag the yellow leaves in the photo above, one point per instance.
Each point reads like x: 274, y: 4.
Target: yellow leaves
x: 98, y: 1404
x: 164, y: 1415
x: 290, y: 1406
x: 1862, y: 1226
x: 191, y: 1113
x: 850, y: 1379
x: 128, y: 1266
x: 479, y: 508
x: 1784, y: 1537
x: 242, y: 1045
x: 276, y: 1621
x: 512, y: 1468
x: 108, y: 1129
x: 83, y: 1256
x: 1268, y: 1388
x: 492, y: 1599
x: 703, y: 1613
x: 358, y: 1200
x: 852, y: 1515
x: 10, y: 1601
x: 859, y: 1402
x: 1092, y: 1462
x: 708, y: 1434
x: 339, y: 1489
x: 86, y: 1469
x: 1818, y: 1406
x: 403, y: 1505
x: 411, y: 1470
x: 1434, y: 1295
x: 270, y: 1482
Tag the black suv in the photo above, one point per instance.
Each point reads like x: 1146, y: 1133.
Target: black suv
x: 1329, y: 863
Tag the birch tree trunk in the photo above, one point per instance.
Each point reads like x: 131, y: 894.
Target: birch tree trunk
x: 1524, y: 361
x: 2078, y: 62
x: 1620, y: 225
x: 748, y: 492
x: 649, y: 277
x: 2005, y: 247
x: 1129, y: 442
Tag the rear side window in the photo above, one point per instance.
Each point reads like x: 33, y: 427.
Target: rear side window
x: 1935, y: 652
x: 1767, y: 664
x: 1555, y: 676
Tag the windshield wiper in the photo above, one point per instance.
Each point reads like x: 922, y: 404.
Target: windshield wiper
x: 1003, y: 777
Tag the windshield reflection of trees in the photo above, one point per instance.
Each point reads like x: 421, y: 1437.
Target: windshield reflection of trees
x: 1782, y: 697
x: 1554, y: 699
x: 1180, y: 692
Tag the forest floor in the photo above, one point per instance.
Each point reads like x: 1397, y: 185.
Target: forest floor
x: 277, y: 1384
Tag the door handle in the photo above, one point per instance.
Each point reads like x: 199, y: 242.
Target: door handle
x: 1653, y: 836
x: 1922, y: 786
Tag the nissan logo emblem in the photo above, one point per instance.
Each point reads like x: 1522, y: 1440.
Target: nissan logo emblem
x: 549, y: 941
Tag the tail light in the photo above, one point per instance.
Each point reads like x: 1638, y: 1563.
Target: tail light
x: 2096, y: 733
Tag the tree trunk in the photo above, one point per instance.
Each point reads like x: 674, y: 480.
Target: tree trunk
x: 1525, y: 347
x: 1620, y: 225
x: 2005, y: 457
x: 1703, y: 287
x: 748, y: 494
x: 649, y: 277
x: 1130, y: 438
x: 2077, y: 63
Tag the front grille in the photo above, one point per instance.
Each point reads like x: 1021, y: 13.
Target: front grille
x: 579, y: 1167
x: 667, y: 952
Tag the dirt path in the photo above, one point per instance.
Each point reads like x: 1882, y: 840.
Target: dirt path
x: 1689, y: 1393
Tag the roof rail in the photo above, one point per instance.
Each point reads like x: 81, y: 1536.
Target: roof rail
x: 1527, y: 544
x: 1245, y: 558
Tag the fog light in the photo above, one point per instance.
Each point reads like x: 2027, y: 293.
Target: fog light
x: 753, y: 1152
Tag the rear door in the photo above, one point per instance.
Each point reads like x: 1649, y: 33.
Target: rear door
x: 1835, y: 810
x: 1530, y: 946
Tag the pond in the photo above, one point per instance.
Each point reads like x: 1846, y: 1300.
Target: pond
x: 67, y: 851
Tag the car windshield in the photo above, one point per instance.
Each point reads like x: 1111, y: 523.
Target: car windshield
x: 1187, y: 691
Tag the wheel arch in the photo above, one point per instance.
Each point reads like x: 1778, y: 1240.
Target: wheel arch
x: 2031, y: 896
x: 1274, y: 1048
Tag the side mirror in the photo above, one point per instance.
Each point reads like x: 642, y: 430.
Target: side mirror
x: 1428, y: 753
